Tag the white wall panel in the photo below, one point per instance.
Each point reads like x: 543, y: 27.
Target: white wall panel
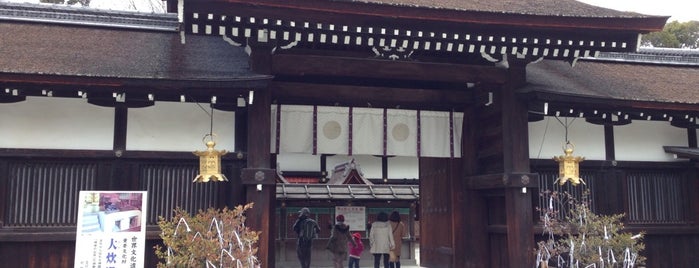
x: 403, y: 167
x: 56, y: 123
x: 298, y: 162
x: 547, y: 138
x: 175, y: 126
x: 644, y: 140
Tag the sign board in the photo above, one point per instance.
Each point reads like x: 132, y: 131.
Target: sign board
x: 111, y: 229
x: 355, y: 217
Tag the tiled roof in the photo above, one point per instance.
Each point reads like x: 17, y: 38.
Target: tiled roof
x: 617, y: 80
x: 666, y: 56
x: 568, y: 8
x: 101, y: 49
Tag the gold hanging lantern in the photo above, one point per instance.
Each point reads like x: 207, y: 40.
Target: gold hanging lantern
x: 568, y: 166
x: 210, y: 163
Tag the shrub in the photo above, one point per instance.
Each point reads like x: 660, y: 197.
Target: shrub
x: 211, y: 238
x: 577, y: 237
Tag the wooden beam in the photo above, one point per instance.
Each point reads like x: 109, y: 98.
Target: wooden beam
x: 496, y: 181
x: 308, y: 65
x: 76, y: 81
x: 380, y: 97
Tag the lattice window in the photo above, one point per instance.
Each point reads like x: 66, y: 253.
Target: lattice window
x: 170, y: 186
x: 45, y: 194
x: 547, y: 182
x: 657, y: 197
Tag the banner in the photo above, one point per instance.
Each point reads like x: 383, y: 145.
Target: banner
x: 355, y: 217
x: 111, y: 229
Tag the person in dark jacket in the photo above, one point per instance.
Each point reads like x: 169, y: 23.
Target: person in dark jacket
x: 303, y: 246
x: 340, y: 237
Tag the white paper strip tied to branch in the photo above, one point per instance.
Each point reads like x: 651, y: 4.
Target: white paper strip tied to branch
x: 629, y: 258
x: 611, y: 253
x: 252, y: 260
x: 572, y: 253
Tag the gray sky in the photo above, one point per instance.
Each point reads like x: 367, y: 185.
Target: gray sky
x: 680, y: 10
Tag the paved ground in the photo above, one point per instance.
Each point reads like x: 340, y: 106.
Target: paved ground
x: 363, y: 263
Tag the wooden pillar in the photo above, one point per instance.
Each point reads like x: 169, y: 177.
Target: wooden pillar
x: 473, y: 212
x: 258, y: 178
x: 518, y: 202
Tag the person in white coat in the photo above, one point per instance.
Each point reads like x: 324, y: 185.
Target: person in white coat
x: 381, y: 240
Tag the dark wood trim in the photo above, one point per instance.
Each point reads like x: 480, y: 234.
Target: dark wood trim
x: 4, y: 176
x: 310, y: 65
x: 692, y: 137
x: 55, y: 153
x: 37, y: 235
x: 241, y: 130
x: 358, y: 96
x: 602, y: 103
x: 497, y: 181
x: 121, y: 115
x: 384, y: 167
x: 609, y: 153
x: 602, y: 164
x: 75, y: 81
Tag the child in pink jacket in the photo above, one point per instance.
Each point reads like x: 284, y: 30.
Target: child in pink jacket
x: 355, y: 252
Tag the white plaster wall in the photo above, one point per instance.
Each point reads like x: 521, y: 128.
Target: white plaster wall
x: 547, y: 138
x: 56, y: 123
x: 644, y: 140
x: 175, y: 126
x: 403, y: 167
x: 298, y: 162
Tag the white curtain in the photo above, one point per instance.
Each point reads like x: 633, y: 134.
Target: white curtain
x: 296, y: 130
x: 439, y: 132
x: 434, y: 134
x: 402, y: 132
x: 333, y: 130
x: 367, y: 131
